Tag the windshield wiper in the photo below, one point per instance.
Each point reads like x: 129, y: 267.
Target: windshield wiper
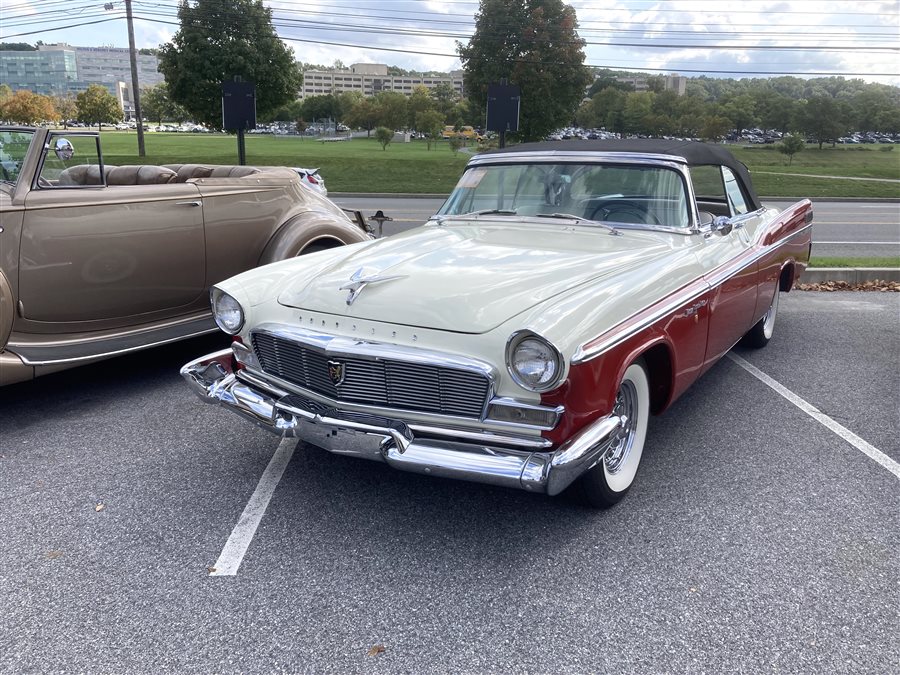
x: 572, y: 216
x: 492, y: 212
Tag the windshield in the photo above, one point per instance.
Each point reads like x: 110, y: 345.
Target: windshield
x: 13, y: 148
x: 615, y: 193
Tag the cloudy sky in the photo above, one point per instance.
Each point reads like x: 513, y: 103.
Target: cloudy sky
x: 725, y: 38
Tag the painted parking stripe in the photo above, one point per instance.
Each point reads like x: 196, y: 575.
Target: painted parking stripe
x: 820, y: 417
x: 236, y: 547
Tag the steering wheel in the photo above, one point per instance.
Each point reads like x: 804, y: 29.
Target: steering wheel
x: 639, y: 213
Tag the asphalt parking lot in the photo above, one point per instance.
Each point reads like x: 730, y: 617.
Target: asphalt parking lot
x: 756, y: 538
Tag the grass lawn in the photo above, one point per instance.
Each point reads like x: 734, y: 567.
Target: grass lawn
x: 357, y: 165
x: 360, y: 165
x: 890, y: 261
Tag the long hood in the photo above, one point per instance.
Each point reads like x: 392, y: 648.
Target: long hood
x: 469, y: 278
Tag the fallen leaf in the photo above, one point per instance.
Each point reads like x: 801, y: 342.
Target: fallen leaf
x: 376, y: 650
x: 53, y: 555
x: 211, y: 570
x: 693, y: 590
x: 100, y: 507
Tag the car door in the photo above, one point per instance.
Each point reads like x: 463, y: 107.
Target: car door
x: 108, y: 253
x: 731, y: 270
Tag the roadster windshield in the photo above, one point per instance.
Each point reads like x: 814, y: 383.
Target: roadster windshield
x: 13, y: 148
x: 614, y: 193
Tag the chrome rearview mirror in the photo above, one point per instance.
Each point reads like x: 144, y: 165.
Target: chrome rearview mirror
x: 722, y: 225
x: 63, y: 149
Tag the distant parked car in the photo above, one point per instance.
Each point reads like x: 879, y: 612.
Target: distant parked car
x: 97, y: 260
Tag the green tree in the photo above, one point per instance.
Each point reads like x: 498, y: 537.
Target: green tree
x: 790, y: 145
x: 322, y: 107
x: 346, y: 100
x: 391, y: 109
x: 638, y: 106
x: 715, y: 127
x: 445, y: 97
x: 430, y: 122
x: 363, y: 115
x: 157, y: 106
x: 218, y: 41
x: 25, y: 107
x: 419, y: 101
x: 384, y: 136
x: 97, y: 106
x: 741, y: 110
x: 66, y: 107
x: 825, y: 119
x: 456, y: 143
x: 535, y: 45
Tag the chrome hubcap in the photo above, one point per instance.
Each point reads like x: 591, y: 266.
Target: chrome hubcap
x: 623, y: 437
x: 769, y: 319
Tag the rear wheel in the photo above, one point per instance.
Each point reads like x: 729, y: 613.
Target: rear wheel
x: 762, y: 332
x: 608, y: 482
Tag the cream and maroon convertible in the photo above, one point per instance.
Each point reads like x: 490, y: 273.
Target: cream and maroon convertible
x: 564, y: 292
x: 98, y: 260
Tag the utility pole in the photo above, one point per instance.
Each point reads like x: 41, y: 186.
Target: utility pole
x: 135, y: 87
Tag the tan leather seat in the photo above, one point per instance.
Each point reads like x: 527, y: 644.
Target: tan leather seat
x: 83, y: 174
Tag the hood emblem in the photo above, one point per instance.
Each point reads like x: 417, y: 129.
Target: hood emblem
x: 362, y: 278
x: 336, y: 372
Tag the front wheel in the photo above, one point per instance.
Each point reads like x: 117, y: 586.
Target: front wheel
x: 762, y: 332
x: 608, y: 482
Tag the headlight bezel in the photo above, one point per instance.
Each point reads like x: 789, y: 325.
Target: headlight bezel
x: 216, y: 297
x: 514, y: 342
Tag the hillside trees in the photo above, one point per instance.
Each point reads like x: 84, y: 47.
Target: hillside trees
x: 533, y: 44
x: 219, y: 41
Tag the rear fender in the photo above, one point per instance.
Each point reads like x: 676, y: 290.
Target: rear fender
x: 300, y: 232
x: 7, y: 309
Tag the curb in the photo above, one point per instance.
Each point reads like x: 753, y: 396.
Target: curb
x: 852, y: 275
x: 434, y: 195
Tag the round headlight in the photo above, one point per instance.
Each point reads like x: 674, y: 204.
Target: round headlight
x: 533, y: 362
x: 227, y: 312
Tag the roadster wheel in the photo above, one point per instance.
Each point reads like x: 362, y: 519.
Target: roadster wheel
x: 762, y: 332
x: 608, y: 482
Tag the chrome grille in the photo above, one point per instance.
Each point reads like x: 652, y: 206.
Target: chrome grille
x: 384, y: 382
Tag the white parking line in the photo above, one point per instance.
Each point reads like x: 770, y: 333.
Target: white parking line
x: 820, y: 417
x: 242, y: 534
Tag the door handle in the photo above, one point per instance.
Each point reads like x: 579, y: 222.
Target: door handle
x: 193, y: 203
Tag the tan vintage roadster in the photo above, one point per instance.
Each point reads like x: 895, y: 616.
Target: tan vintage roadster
x: 97, y: 260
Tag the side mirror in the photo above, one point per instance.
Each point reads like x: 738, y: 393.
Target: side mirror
x: 722, y: 225
x: 63, y: 149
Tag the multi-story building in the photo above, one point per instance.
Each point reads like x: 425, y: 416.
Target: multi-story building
x: 371, y: 78
x: 62, y: 70
x: 676, y: 83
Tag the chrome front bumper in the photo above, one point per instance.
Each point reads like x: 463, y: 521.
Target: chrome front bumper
x: 450, y: 453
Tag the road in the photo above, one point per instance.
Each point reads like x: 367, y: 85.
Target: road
x: 756, y: 538
x: 844, y: 229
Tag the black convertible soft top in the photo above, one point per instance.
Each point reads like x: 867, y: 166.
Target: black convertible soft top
x: 694, y: 153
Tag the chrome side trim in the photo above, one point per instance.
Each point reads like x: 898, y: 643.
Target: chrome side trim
x: 584, y: 353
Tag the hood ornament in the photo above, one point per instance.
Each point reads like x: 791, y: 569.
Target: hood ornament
x: 361, y: 278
